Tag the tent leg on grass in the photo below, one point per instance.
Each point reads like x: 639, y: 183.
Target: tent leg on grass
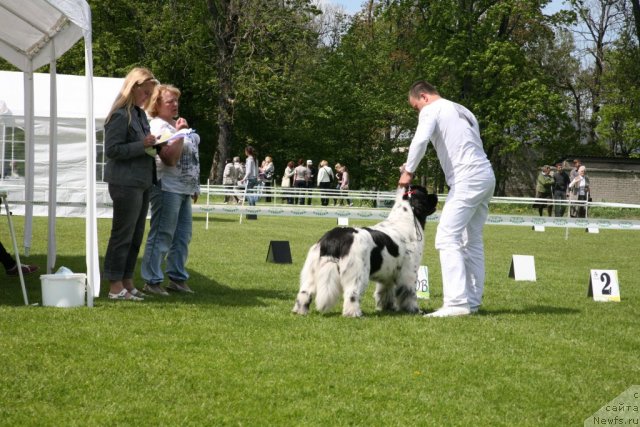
x: 3, y: 196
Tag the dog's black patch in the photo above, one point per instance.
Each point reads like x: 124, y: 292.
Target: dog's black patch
x: 402, y: 292
x: 381, y: 240
x: 337, y: 243
x: 353, y: 298
x: 422, y: 203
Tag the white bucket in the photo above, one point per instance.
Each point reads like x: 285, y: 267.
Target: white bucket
x: 63, y: 290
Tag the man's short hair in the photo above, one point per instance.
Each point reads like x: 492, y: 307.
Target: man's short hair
x: 422, y: 87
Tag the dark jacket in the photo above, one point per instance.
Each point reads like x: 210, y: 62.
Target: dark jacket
x: 127, y: 162
x: 560, y: 181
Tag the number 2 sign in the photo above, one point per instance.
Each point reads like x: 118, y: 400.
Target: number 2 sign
x: 604, y: 286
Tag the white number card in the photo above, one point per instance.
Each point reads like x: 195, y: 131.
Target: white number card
x: 604, y: 286
x: 422, y: 284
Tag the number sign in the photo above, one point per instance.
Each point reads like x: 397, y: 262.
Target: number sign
x: 422, y: 284
x: 604, y: 286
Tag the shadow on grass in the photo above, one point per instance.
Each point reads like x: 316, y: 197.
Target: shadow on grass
x: 226, y: 218
x: 533, y: 309
x: 211, y: 292
x: 208, y: 291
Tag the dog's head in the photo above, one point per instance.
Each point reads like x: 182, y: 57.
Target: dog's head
x: 422, y: 203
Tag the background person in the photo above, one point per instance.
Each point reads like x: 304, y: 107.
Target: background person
x: 454, y: 132
x: 287, y: 181
x: 250, y: 178
x: 544, y: 185
x: 560, y: 188
x: 338, y: 173
x: 311, y: 181
x: 580, y: 192
x: 267, y: 171
x: 239, y: 166
x: 576, y: 166
x: 178, y: 165
x: 300, y: 178
x: 325, y: 176
x: 344, y: 184
x: 11, y: 266
x: 229, y: 180
x: 572, y: 176
x: 130, y: 172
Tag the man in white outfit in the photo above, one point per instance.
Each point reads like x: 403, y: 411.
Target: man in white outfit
x: 454, y: 132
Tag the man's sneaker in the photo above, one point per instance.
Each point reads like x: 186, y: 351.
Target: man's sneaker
x: 450, y: 312
x: 177, y: 286
x: 155, y: 289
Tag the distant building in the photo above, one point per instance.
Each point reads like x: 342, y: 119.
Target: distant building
x: 613, y: 179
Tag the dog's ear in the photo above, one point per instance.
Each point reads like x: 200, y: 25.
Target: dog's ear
x: 432, y: 203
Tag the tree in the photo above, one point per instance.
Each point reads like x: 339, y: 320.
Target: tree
x: 599, y: 21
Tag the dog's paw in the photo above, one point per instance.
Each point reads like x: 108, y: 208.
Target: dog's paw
x: 300, y: 309
x: 412, y: 310
x: 352, y: 313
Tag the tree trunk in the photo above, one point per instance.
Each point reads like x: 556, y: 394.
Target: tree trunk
x: 635, y: 4
x: 224, y: 28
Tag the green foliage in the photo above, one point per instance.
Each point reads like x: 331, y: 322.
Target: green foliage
x: 301, y: 84
x: 619, y: 124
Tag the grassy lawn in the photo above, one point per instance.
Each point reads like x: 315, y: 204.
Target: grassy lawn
x: 232, y: 354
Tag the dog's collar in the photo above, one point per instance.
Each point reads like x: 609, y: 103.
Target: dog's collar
x: 408, y: 192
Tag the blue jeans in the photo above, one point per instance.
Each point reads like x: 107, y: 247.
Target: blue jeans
x: 169, y: 236
x: 252, y: 183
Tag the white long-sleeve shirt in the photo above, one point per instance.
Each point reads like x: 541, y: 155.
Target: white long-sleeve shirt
x: 455, y: 134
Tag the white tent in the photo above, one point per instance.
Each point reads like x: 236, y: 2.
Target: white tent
x: 71, y: 141
x: 32, y: 34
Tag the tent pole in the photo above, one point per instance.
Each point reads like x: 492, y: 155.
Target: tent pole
x: 29, y: 142
x: 93, y: 269
x: 53, y: 160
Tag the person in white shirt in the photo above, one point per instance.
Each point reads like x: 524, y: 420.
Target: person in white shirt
x: 325, y: 175
x: 580, y: 190
x: 454, y: 132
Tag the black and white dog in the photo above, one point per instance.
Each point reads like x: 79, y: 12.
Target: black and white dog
x: 389, y: 253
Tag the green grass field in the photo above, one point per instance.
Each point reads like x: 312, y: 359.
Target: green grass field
x: 538, y: 353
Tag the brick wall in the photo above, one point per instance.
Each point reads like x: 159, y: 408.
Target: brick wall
x: 612, y: 180
x: 614, y: 186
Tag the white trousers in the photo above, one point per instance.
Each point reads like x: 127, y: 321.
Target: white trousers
x: 459, y: 239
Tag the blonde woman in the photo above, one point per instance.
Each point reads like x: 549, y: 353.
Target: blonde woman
x: 267, y: 171
x: 130, y: 172
x: 178, y: 165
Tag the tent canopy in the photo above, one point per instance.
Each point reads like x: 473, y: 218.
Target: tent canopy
x: 34, y: 33
x: 27, y: 28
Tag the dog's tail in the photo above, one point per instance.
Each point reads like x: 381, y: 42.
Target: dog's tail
x: 328, y: 284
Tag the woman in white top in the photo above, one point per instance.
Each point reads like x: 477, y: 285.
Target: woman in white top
x: 325, y: 175
x: 178, y: 186
x: 287, y: 181
x: 580, y: 191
